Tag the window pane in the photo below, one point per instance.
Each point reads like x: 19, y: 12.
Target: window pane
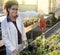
x: 20, y: 1
x: 31, y: 2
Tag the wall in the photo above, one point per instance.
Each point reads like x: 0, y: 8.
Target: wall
x: 43, y: 6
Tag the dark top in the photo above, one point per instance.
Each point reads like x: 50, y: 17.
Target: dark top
x: 19, y: 33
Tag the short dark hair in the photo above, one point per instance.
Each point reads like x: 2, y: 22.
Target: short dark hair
x: 8, y: 4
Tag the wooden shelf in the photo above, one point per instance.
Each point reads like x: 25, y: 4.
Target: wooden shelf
x: 1, y: 43
x: 29, y: 28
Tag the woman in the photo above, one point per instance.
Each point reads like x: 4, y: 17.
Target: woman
x: 13, y: 34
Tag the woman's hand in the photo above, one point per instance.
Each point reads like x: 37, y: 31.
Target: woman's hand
x: 15, y: 52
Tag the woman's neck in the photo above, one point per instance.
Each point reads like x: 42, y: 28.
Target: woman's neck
x: 12, y: 18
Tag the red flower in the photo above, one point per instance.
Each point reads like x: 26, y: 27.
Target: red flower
x: 42, y: 24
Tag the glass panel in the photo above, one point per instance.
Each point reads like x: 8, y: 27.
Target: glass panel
x: 20, y: 1
x: 31, y: 2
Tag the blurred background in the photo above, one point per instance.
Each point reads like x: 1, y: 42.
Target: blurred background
x: 40, y: 6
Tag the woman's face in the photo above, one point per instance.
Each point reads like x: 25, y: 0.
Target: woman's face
x: 13, y: 11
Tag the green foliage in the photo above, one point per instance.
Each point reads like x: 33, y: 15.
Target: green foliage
x: 50, y: 46
x: 55, y: 52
